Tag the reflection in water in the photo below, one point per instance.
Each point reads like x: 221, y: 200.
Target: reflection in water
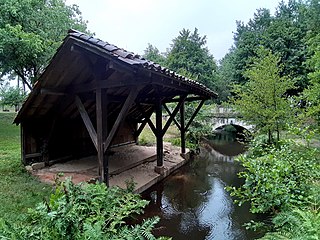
x: 193, y: 203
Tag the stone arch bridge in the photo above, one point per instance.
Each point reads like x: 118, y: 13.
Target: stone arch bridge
x: 221, y: 117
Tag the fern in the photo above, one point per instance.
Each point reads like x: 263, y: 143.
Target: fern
x: 296, y: 224
x: 84, y: 211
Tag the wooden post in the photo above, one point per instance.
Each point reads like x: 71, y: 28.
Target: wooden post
x: 23, y: 143
x: 159, y: 135
x: 182, y: 128
x: 101, y: 134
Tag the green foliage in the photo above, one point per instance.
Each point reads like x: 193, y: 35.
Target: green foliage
x: 225, y: 77
x: 30, y: 32
x: 297, y: 224
x: 285, y: 33
x: 12, y: 96
x: 278, y: 178
x: 261, y: 101
x: 311, y: 94
x: 189, y: 54
x: 84, y: 211
x: 200, y: 126
x: 153, y: 54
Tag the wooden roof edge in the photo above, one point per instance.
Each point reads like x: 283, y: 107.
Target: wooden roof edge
x: 125, y: 58
x: 129, y: 58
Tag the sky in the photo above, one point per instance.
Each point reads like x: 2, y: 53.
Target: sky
x: 132, y: 24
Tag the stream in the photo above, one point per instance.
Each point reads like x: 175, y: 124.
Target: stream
x: 193, y: 203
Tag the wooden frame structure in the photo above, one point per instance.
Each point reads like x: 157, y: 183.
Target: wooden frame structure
x: 94, y: 95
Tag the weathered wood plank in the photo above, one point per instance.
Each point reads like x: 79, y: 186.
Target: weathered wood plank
x: 188, y: 99
x: 23, y: 143
x: 101, y: 107
x: 87, y: 122
x: 182, y: 128
x: 48, y: 91
x: 159, y: 135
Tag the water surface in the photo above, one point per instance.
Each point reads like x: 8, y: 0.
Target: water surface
x: 193, y: 203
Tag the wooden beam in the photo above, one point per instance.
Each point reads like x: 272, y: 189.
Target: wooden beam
x: 172, y: 116
x: 150, y: 123
x: 182, y: 128
x: 188, y: 99
x: 194, y: 114
x: 87, y: 122
x: 169, y: 112
x: 159, y: 134
x: 123, y: 112
x: 143, y: 124
x: 101, y: 107
x: 48, y: 91
x: 23, y: 143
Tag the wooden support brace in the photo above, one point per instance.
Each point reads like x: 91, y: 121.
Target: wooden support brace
x: 125, y: 108
x: 150, y: 123
x: 174, y: 119
x: 87, y: 122
x: 172, y: 116
x: 143, y: 124
x: 194, y: 114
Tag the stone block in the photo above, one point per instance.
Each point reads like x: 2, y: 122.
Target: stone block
x: 39, y: 165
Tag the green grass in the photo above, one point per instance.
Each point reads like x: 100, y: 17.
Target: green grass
x: 172, y: 135
x: 18, y: 189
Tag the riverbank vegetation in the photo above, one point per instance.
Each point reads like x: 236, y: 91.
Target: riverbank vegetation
x: 278, y: 92
x: 83, y: 211
x: 271, y: 72
x: 29, y: 208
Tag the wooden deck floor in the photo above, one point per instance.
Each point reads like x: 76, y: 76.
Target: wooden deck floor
x: 126, y: 163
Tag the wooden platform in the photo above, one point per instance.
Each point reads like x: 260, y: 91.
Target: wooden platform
x: 126, y: 163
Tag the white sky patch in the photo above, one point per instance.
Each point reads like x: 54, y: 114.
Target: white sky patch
x: 132, y: 24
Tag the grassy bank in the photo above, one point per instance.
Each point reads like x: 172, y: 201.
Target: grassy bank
x: 18, y: 190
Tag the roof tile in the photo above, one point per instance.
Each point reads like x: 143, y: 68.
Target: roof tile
x: 135, y: 59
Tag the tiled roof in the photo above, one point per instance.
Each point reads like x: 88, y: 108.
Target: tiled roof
x: 136, y: 60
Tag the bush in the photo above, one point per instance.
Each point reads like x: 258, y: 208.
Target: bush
x: 84, y: 211
x: 295, y: 225
x: 277, y: 178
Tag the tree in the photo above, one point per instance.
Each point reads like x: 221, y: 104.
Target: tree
x: 152, y: 53
x: 189, y: 55
x: 312, y: 93
x: 246, y: 39
x: 284, y: 33
x: 262, y: 100
x: 12, y: 96
x: 30, y: 32
x: 225, y: 77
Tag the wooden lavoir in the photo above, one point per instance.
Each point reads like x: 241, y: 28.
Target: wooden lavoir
x: 94, y: 95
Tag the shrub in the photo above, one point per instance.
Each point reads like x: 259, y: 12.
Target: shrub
x: 84, y: 211
x: 277, y: 178
x: 295, y: 225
